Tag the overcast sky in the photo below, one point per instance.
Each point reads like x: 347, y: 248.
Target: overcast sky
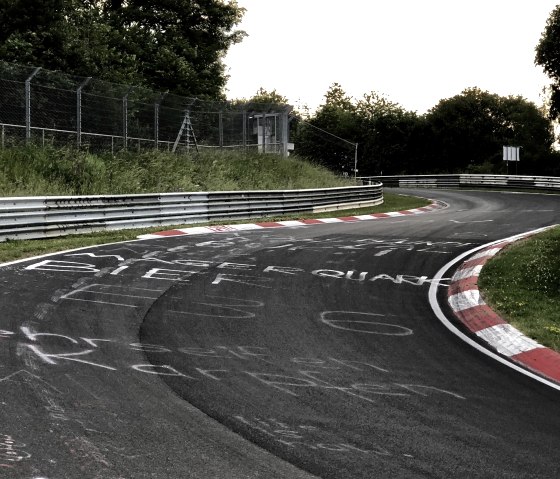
x: 415, y: 52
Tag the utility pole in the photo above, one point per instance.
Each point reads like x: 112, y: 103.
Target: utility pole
x: 355, y: 145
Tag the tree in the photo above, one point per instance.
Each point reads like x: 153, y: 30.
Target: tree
x: 29, y: 28
x: 467, y: 133
x: 329, y: 137
x: 179, y: 44
x: 263, y: 96
x: 525, y: 125
x: 165, y: 45
x: 386, y: 136
x: 548, y: 56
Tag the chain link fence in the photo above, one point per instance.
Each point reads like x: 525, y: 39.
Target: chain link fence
x: 42, y: 106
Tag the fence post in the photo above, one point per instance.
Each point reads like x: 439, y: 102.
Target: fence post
x: 285, y: 130
x: 244, y: 131
x: 79, y: 111
x: 157, y: 105
x: 125, y: 118
x: 221, y: 129
x: 3, y: 133
x: 28, y: 104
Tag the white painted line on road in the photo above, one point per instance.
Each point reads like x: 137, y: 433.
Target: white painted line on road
x: 507, y: 340
x: 466, y: 273
x: 486, y: 254
x: 331, y: 220
x: 469, y: 222
x: 465, y: 300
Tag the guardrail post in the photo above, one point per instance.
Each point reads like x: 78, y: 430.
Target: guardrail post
x: 3, y: 136
x: 28, y: 104
x: 79, y: 111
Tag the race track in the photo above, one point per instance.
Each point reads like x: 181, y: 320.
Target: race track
x: 291, y: 352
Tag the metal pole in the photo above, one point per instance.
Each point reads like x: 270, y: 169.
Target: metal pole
x: 355, y: 161
x: 188, y: 125
x: 156, y: 124
x: 156, y: 118
x: 125, y: 118
x: 28, y: 104
x: 285, y: 131
x: 244, y: 131
x: 79, y: 110
x: 221, y: 129
x: 264, y: 132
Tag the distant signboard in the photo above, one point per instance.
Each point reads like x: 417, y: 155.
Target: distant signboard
x: 511, y: 153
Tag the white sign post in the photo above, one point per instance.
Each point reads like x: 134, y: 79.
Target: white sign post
x: 511, y: 153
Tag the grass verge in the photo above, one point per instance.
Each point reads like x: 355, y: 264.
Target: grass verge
x: 522, y: 284
x: 12, y: 250
x: 34, y: 171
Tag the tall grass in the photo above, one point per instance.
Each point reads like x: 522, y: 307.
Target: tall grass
x: 34, y: 171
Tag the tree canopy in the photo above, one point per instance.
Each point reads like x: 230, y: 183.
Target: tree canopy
x: 165, y: 45
x: 548, y: 56
x: 464, y: 133
x: 468, y: 131
x: 330, y: 135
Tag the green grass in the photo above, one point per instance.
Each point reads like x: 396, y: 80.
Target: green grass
x: 33, y: 171
x: 12, y: 250
x: 522, y: 284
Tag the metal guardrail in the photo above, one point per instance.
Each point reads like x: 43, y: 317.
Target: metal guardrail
x: 42, y: 217
x: 467, y: 181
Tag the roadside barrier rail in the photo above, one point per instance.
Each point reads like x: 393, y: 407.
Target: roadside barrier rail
x: 49, y: 216
x: 467, y: 181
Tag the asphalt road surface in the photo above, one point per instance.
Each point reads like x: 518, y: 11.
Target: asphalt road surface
x: 282, y: 353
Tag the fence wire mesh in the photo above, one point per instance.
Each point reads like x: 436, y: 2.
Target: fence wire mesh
x: 42, y: 106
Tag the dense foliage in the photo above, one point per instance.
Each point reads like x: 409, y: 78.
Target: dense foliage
x: 464, y: 133
x: 174, y: 45
x: 548, y: 57
x: 178, y: 46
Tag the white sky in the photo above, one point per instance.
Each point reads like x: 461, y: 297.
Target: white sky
x: 415, y: 52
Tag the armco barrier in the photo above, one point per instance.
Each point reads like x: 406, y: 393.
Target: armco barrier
x: 467, y: 181
x: 41, y: 217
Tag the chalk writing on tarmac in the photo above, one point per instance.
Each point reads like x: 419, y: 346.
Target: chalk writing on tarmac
x: 154, y: 262
x: 306, y: 436
x: 362, y: 323
x: 228, y: 272
x: 11, y: 451
x: 271, y: 242
x: 225, y: 363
